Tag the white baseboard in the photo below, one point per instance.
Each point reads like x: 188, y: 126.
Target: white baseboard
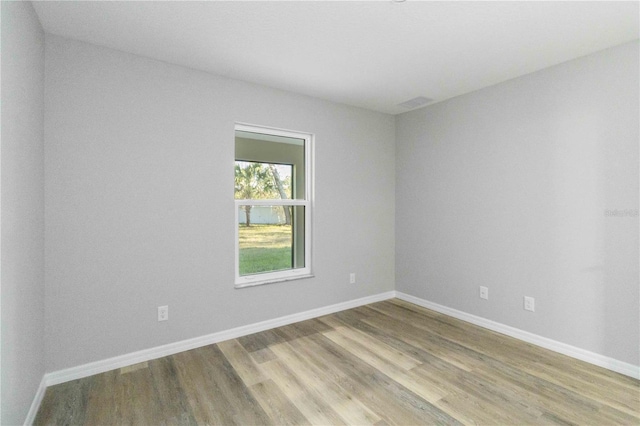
x: 563, y: 348
x: 125, y: 360
x: 35, y: 404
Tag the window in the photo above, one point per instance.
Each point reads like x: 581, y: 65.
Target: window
x: 272, y: 204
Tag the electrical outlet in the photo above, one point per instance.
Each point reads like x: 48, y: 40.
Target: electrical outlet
x: 484, y: 292
x: 529, y: 304
x: 163, y: 313
x: 352, y: 278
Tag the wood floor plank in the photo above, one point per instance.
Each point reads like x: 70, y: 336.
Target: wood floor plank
x: 405, y: 340
x: 308, y: 400
x: 136, y: 391
x: 242, y: 362
x: 387, y: 363
x: 465, y: 334
x: 123, y: 409
x: 215, y: 392
x: 352, y: 410
x: 174, y: 407
x: 399, y: 375
x: 469, y: 409
x: 65, y: 403
x: 241, y: 404
x: 503, y: 407
x: 101, y: 399
x: 620, y: 399
x: 545, y: 384
x: 387, y: 352
x: 434, y: 329
x: 561, y: 402
x: 369, y: 384
x: 206, y: 400
x: 300, y: 329
x: 257, y: 341
x: 464, y: 358
x: 275, y: 403
x: 262, y: 355
x: 615, y: 416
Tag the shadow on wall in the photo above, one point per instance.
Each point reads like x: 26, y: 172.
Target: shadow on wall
x: 596, y: 230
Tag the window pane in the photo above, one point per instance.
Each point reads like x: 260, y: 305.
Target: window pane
x: 255, y: 181
x: 277, y: 150
x: 272, y: 239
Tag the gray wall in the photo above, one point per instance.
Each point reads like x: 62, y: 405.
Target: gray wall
x: 507, y: 187
x: 22, y: 210
x: 140, y: 210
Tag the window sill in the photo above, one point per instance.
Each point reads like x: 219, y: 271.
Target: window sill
x: 273, y: 281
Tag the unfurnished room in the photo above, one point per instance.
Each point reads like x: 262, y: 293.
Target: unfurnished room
x: 320, y: 212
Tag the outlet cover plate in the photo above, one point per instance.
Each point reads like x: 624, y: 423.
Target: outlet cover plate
x: 163, y: 313
x: 529, y: 304
x: 484, y: 292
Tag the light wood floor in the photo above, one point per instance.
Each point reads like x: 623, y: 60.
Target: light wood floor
x: 386, y: 363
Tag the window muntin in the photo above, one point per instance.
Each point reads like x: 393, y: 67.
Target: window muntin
x: 273, y: 207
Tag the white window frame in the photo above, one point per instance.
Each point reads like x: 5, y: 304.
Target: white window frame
x: 307, y: 203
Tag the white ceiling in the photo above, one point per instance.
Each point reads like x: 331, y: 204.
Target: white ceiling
x: 373, y: 55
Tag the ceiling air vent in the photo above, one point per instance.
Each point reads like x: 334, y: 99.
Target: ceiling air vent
x: 415, y: 102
